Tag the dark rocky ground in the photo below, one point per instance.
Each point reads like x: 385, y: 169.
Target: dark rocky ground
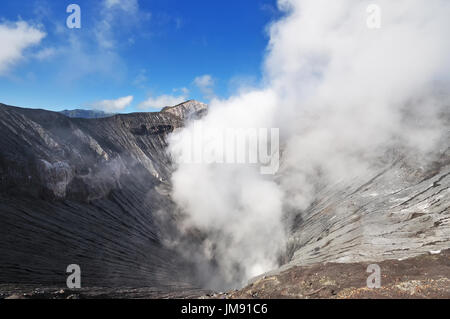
x: 425, y: 276
x: 31, y: 292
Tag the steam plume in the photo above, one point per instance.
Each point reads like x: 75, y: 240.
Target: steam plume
x: 342, y: 94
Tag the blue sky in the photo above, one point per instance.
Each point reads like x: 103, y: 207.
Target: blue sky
x: 130, y: 55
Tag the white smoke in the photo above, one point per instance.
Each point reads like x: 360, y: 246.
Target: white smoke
x: 342, y: 94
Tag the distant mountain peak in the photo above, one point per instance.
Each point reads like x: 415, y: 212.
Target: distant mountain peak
x: 86, y: 114
x: 188, y: 109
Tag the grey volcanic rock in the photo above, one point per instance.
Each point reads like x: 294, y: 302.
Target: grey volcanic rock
x: 87, y: 192
x: 187, y: 109
x: 398, y: 212
x: 389, y: 217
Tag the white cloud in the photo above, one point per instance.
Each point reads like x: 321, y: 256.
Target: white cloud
x: 115, y: 15
x: 161, y: 101
x: 45, y: 53
x: 141, y: 79
x: 242, y: 83
x: 113, y: 105
x: 16, y: 38
x: 81, y: 59
x: 131, y: 6
x: 183, y: 90
x: 96, y: 50
x: 205, y: 83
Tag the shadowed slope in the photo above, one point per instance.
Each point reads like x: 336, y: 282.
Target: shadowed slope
x: 87, y: 192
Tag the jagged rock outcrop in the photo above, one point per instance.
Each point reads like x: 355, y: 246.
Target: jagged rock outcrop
x: 189, y: 109
x: 88, y: 192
